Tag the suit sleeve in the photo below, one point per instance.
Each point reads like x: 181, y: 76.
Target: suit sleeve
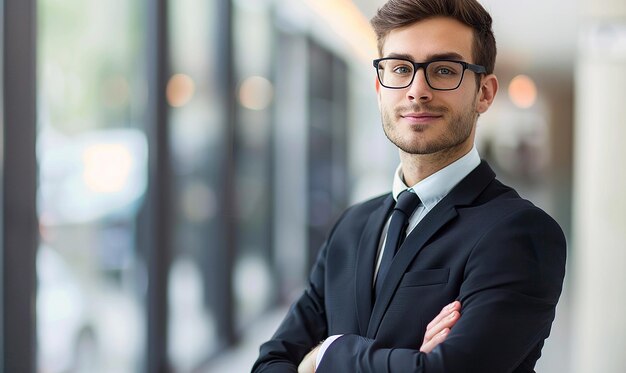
x: 512, y: 282
x: 303, y: 328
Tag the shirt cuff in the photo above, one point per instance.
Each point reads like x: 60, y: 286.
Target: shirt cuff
x: 324, y: 347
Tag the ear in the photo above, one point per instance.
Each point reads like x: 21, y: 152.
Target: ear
x: 486, y: 93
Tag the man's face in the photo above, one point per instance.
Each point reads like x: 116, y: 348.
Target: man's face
x: 419, y: 119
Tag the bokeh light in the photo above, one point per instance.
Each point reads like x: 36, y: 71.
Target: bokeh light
x: 256, y: 93
x: 180, y: 90
x: 523, y: 91
x: 107, y: 167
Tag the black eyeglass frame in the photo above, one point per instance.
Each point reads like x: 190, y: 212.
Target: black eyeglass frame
x: 478, y: 69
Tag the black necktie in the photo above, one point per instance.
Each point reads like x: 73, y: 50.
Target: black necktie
x: 407, y: 202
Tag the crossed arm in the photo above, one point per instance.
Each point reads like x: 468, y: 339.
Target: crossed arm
x: 512, y: 281
x: 436, y: 332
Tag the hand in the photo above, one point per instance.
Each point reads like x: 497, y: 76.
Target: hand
x: 438, y: 329
x: 307, y: 365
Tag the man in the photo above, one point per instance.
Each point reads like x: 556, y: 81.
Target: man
x: 474, y: 285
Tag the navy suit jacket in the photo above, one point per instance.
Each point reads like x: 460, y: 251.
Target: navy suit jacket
x: 498, y: 254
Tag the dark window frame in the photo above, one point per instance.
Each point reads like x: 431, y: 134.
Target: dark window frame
x: 19, y: 178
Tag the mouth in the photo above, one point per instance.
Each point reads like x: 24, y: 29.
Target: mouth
x: 421, y: 118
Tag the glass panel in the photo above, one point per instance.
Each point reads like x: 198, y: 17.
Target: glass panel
x: 92, y: 158
x: 327, y: 160
x: 252, y: 278
x: 197, y: 132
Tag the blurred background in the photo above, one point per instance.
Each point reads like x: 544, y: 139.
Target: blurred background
x: 170, y: 169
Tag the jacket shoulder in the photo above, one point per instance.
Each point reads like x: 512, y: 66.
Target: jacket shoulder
x: 358, y: 214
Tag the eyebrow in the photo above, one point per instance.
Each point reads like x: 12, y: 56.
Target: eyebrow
x: 431, y: 57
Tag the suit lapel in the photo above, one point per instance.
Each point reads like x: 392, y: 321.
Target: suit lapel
x: 414, y: 242
x: 366, y: 256
x: 463, y: 194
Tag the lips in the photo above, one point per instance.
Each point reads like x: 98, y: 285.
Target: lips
x: 423, y: 117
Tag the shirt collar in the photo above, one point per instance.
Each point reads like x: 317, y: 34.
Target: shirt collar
x: 435, y: 187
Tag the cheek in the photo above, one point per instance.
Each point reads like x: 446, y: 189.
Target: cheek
x: 383, y: 103
x: 472, y: 100
x: 389, y: 100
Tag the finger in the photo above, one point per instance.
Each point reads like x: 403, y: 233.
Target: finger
x: 307, y: 365
x: 443, y: 313
x: 454, y: 306
x: 434, y: 342
x: 445, y: 323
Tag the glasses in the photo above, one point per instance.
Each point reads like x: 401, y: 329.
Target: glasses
x: 441, y: 75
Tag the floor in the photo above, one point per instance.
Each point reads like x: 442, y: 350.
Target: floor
x: 241, y: 358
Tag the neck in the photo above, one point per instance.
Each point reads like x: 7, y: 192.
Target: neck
x: 417, y: 167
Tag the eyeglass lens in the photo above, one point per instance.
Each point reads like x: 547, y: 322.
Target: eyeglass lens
x: 397, y: 73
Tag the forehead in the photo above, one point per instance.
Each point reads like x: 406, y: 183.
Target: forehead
x: 431, y: 37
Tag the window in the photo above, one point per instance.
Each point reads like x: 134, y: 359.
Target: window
x: 92, y: 155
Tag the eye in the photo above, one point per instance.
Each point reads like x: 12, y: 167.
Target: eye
x: 402, y: 69
x: 445, y: 69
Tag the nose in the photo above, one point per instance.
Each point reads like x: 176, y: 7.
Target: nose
x: 419, y: 90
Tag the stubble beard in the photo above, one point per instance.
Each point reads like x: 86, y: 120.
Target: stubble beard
x: 458, y: 129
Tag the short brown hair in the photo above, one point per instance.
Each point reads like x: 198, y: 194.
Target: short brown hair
x: 399, y: 13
